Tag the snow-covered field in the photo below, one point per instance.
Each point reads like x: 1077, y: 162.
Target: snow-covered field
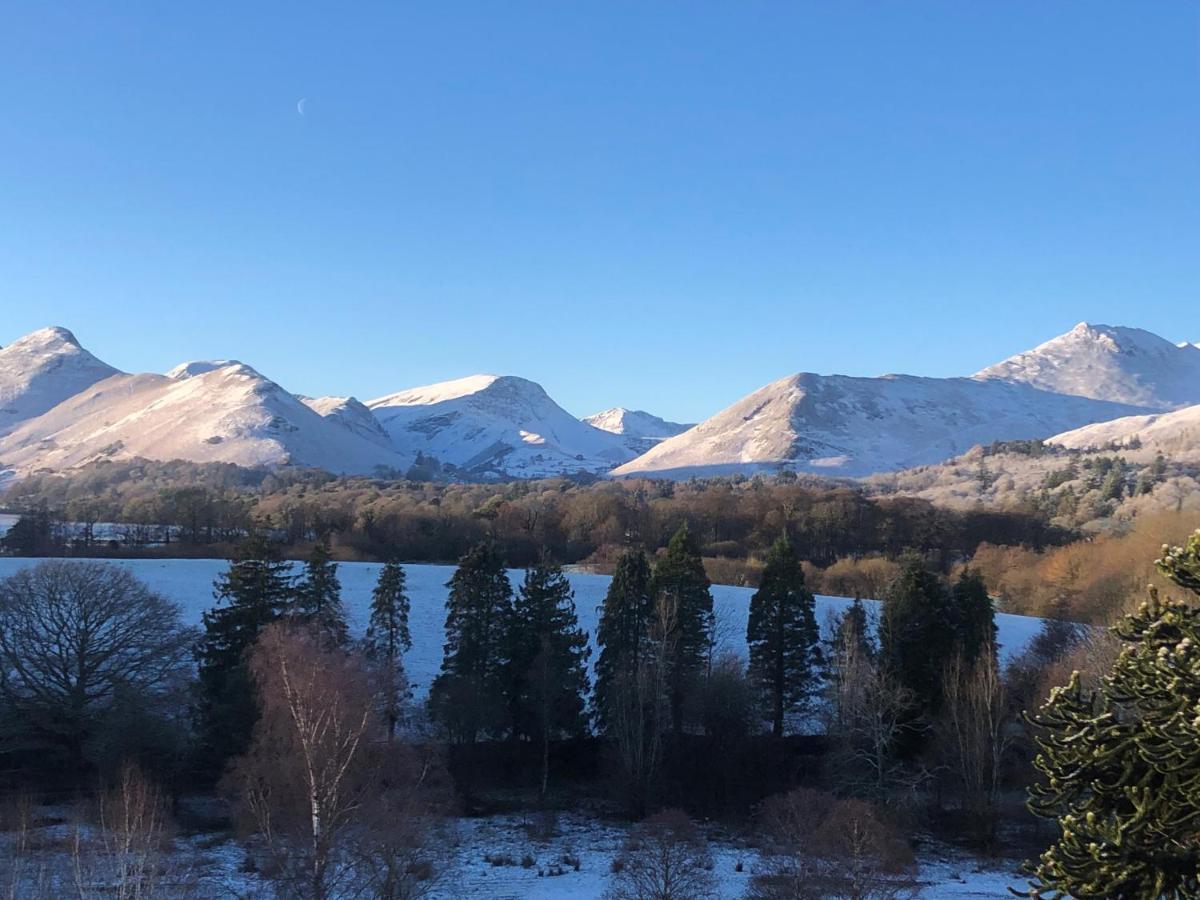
x: 189, y: 582
x: 503, y: 857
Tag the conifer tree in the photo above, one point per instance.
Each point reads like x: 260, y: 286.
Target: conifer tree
x: 682, y: 586
x: 1122, y: 760
x: 852, y: 630
x: 388, y: 639
x: 782, y: 635
x: 974, y: 616
x: 468, y: 696
x: 547, y: 661
x: 319, y: 596
x: 918, y: 634
x: 255, y: 591
x: 621, y: 633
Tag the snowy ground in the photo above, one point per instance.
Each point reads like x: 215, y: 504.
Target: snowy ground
x: 500, y: 857
x: 189, y: 582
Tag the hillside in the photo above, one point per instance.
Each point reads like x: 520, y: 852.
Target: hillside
x: 220, y: 412
x: 640, y: 429
x: 493, y: 426
x: 40, y: 371
x: 1105, y: 362
x: 840, y: 425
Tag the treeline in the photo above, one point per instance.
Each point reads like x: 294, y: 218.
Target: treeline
x: 734, y: 520
x: 335, y: 775
x: 336, y: 778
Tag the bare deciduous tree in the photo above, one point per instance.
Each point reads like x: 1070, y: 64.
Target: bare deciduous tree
x: 334, y: 802
x: 826, y: 847
x: 665, y: 858
x: 640, y: 709
x: 73, y: 635
x: 974, y: 734
x: 869, y: 711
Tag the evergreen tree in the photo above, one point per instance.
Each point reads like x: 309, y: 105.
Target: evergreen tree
x: 621, y: 633
x: 319, y: 596
x: 1122, y: 760
x: 468, y: 696
x: 917, y: 633
x: 547, y: 661
x: 851, y: 630
x: 33, y: 534
x: 388, y: 639
x: 782, y: 635
x: 255, y: 591
x: 974, y: 616
x: 682, y: 586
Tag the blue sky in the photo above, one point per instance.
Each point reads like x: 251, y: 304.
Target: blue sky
x: 653, y: 204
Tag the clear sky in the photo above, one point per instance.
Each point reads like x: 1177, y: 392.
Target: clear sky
x: 652, y: 204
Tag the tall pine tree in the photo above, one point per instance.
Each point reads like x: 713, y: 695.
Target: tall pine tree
x: 782, y: 635
x: 468, y: 696
x: 547, y: 660
x: 918, y: 637
x: 388, y: 639
x: 1122, y: 760
x: 974, y: 616
x: 319, y: 596
x: 256, y: 590
x: 682, y: 587
x: 621, y: 633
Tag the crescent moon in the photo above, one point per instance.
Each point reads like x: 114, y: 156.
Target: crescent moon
x: 300, y: 105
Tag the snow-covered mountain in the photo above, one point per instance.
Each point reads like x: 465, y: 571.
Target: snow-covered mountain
x: 496, y: 426
x: 204, y: 412
x: 60, y: 407
x: 640, y: 429
x: 1106, y: 362
x: 1175, y: 434
x: 841, y: 425
x: 41, y: 370
x: 351, y: 414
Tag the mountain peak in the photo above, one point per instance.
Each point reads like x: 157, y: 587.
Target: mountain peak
x: 1108, y: 362
x: 42, y: 369
x: 201, y: 367
x: 496, y: 426
x: 50, y: 338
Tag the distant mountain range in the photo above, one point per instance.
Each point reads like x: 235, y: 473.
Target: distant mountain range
x: 61, y: 407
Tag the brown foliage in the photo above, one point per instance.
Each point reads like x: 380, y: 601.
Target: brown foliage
x: 334, y: 803
x: 829, y: 847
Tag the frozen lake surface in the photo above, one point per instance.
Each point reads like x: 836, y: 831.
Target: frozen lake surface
x: 189, y: 583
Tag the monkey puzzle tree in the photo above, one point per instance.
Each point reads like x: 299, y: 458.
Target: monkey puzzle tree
x: 1122, y: 761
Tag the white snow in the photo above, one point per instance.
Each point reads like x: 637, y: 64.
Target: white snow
x: 496, y: 426
x: 351, y: 414
x: 841, y: 425
x: 1106, y: 362
x: 225, y: 414
x: 41, y: 370
x: 200, y: 367
x: 640, y: 429
x: 188, y: 582
x: 1175, y: 434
